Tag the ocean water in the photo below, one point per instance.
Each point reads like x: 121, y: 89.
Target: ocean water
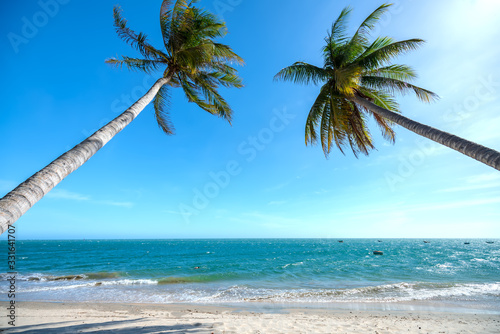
x: 443, y: 273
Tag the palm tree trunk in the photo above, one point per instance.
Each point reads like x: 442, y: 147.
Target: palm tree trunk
x: 18, y: 201
x: 483, y: 154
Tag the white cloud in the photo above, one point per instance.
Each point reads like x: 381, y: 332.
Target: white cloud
x: 276, y: 203
x: 484, y: 177
x: 65, y: 194
x: 73, y: 196
x: 278, y: 186
x: 485, y: 131
x: 270, y: 219
x: 481, y: 181
x: 113, y: 203
x: 457, y: 204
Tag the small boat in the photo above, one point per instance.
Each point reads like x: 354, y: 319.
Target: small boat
x: 379, y: 240
x: 426, y: 242
x: 378, y: 253
x: 489, y: 242
x: 466, y: 243
x: 341, y: 240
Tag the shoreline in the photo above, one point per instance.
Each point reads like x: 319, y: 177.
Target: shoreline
x: 63, y: 317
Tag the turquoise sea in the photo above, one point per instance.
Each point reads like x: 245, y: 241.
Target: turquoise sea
x: 411, y: 274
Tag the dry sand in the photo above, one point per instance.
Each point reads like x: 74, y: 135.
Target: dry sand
x: 33, y: 317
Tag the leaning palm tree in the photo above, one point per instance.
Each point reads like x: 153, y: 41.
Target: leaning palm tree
x: 192, y: 59
x: 359, y: 81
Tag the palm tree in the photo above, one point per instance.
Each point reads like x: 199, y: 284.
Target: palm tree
x: 191, y: 60
x: 359, y: 81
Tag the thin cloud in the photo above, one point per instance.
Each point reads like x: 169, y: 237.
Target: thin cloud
x: 481, y: 181
x: 382, y: 211
x: 266, y: 218
x: 113, y: 203
x: 68, y: 195
x: 484, y: 178
x: 278, y: 186
x: 63, y: 194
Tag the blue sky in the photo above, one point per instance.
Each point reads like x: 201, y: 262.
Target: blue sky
x: 255, y: 178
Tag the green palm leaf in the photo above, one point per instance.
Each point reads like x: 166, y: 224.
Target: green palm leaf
x: 302, y: 73
x: 161, y: 105
x: 359, y: 40
x: 362, y: 34
x: 394, y: 85
x: 144, y: 65
x: 398, y: 72
x: 380, y: 56
x: 165, y: 20
x: 138, y: 41
x: 315, y: 114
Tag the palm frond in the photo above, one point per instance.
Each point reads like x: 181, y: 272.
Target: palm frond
x: 337, y: 34
x: 378, y: 43
x: 376, y: 57
x: 207, y: 25
x: 303, y: 73
x: 339, y: 122
x: 360, y: 138
x: 144, y: 65
x: 386, y: 128
x: 226, y: 79
x: 315, y: 114
x: 179, y: 10
x: 219, y: 106
x: 398, y: 72
x: 336, y: 38
x: 194, y: 57
x: 165, y: 20
x: 379, y: 98
x: 362, y: 34
x: 138, y: 41
x: 326, y: 128
x: 359, y: 41
x: 386, y: 101
x: 161, y: 105
x: 394, y: 85
x: 224, y: 53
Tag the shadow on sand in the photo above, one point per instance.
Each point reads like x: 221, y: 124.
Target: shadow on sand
x: 133, y: 326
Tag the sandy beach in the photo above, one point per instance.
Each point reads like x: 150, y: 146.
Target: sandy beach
x: 38, y: 317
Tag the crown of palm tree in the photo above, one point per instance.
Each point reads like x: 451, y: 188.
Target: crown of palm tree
x: 354, y: 66
x: 191, y: 58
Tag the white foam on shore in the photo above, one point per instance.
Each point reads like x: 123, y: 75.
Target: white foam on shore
x: 148, y: 291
